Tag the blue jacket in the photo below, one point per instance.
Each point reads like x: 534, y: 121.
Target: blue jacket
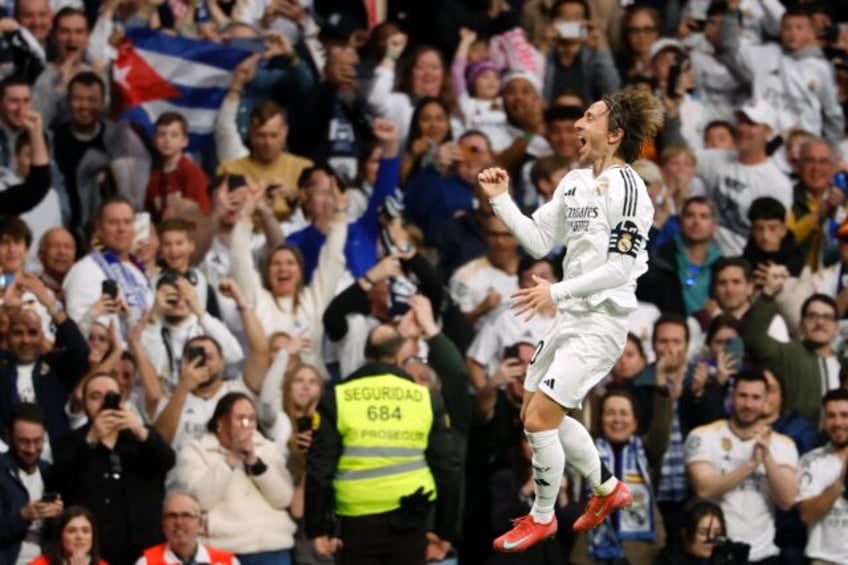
x: 362, y: 235
x: 13, y: 497
x: 430, y: 200
x: 54, y: 376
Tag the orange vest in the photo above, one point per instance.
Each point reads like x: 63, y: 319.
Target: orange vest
x: 156, y: 555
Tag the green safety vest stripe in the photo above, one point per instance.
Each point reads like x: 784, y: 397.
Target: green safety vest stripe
x: 360, y: 451
x: 382, y: 471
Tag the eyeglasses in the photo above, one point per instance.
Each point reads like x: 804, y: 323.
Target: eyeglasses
x: 179, y: 516
x: 820, y: 317
x: 642, y: 29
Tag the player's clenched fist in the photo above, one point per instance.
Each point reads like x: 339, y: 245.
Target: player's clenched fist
x: 493, y: 181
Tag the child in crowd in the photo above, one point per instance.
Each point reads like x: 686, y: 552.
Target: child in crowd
x: 176, y: 249
x: 175, y: 172
x: 477, y: 84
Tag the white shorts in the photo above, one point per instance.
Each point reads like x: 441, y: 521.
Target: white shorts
x: 576, y: 352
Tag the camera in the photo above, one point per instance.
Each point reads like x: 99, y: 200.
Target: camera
x: 728, y: 552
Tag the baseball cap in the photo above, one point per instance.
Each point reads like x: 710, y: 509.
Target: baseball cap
x: 664, y: 43
x: 759, y: 112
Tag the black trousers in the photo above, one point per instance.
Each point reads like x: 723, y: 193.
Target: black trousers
x: 372, y: 540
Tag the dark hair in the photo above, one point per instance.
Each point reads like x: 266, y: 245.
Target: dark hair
x: 415, y: 129
x: 15, y: 228
x: 117, y: 199
x: 385, y: 349
x: 587, y: 13
x: 55, y: 553
x: 819, y: 297
x: 634, y: 339
x: 13, y: 80
x: 475, y: 133
x: 750, y: 376
x: 23, y: 140
x: 224, y: 407
x: 198, y: 338
x: 265, y: 111
x: 527, y: 262
x: 638, y: 114
x: 835, y: 395
x: 168, y: 118
x: 306, y: 174
x: 87, y: 78
x: 781, y: 386
x: 692, y: 200
x: 543, y: 168
x: 176, y: 224
x: 127, y: 355
x: 65, y: 12
x: 27, y: 412
x: 407, y: 67
x: 670, y: 318
x: 617, y: 393
x: 766, y: 208
x: 720, y: 124
x: 695, y: 510
x: 720, y: 322
x: 563, y: 114
x: 797, y: 10
x: 723, y: 263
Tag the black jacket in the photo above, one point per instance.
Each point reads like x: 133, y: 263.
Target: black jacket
x: 326, y: 449
x: 789, y: 255
x: 661, y: 285
x: 13, y: 497
x: 54, y: 376
x: 123, y: 488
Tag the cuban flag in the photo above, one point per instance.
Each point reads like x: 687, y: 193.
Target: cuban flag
x: 157, y: 73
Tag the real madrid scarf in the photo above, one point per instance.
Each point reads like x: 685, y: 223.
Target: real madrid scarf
x: 635, y: 522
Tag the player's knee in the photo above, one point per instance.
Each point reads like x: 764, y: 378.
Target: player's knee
x: 543, y: 414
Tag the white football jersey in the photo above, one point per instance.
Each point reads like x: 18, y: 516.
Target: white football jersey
x: 826, y: 538
x: 748, y: 509
x: 603, y: 222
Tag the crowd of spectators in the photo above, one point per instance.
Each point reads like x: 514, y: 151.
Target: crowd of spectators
x: 172, y: 313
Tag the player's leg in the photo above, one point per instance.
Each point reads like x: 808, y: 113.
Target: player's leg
x: 541, y: 423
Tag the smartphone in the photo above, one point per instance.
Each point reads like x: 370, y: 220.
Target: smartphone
x: 109, y: 287
x: 6, y: 280
x: 304, y: 424
x: 249, y: 44
x: 235, y: 182
x: 674, y: 73
x: 49, y: 497
x: 196, y: 352
x: 142, y: 225
x: 735, y: 346
x: 570, y: 30
x: 511, y: 351
x: 112, y: 401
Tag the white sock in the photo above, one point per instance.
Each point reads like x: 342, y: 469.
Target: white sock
x: 548, y: 465
x: 583, y: 455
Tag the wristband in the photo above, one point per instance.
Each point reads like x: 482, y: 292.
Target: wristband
x: 528, y: 136
x: 256, y: 469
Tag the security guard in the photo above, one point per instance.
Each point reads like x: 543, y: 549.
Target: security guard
x: 380, y: 461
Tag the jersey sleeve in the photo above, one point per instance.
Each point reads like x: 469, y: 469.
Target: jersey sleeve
x: 784, y: 451
x: 628, y: 215
x: 539, y: 233
x: 697, y: 448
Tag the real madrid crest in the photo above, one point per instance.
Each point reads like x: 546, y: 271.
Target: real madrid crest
x: 602, y: 187
x: 726, y: 444
x: 625, y: 243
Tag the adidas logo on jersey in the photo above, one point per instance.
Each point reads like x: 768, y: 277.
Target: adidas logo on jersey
x: 571, y: 191
x: 549, y: 383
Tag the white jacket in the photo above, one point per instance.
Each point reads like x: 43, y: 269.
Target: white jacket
x: 278, y: 314
x: 245, y: 514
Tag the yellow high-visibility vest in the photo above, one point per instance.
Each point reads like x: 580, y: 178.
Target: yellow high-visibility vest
x: 384, y: 422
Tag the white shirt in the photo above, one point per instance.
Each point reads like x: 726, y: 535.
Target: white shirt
x: 470, y: 284
x: 748, y: 508
x: 506, y: 329
x: 732, y: 187
x: 25, y: 386
x: 604, y: 224
x: 819, y: 469
x: 30, y: 547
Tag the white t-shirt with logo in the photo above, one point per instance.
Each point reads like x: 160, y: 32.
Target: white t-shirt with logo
x: 827, y: 539
x: 748, y: 508
x: 470, y: 284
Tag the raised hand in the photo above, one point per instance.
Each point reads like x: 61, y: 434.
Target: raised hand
x: 493, y: 181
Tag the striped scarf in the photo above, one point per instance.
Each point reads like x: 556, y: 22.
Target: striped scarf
x: 672, y: 484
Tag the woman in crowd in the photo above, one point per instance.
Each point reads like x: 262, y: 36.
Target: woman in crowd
x: 74, y: 541
x: 242, y: 484
x: 280, y: 296
x: 429, y: 130
x: 636, y: 533
x: 703, y: 526
x: 640, y: 28
x: 631, y: 363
